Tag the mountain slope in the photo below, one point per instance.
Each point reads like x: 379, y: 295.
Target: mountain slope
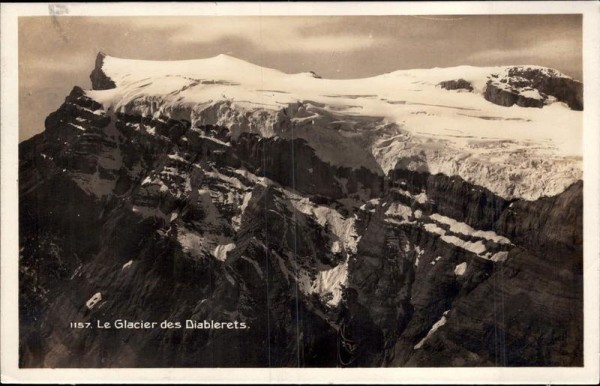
x: 222, y: 191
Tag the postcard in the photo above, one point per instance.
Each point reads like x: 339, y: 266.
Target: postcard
x: 300, y: 192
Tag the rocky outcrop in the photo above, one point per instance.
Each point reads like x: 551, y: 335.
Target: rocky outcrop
x: 507, y: 98
x: 456, y: 84
x: 532, y: 87
x: 100, y: 81
x: 549, y: 82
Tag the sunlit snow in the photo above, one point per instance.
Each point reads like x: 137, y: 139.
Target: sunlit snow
x: 399, y: 119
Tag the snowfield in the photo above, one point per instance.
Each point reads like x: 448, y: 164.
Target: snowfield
x: 402, y: 119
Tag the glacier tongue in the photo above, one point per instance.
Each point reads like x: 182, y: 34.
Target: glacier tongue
x: 402, y: 119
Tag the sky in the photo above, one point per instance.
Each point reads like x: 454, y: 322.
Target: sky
x: 57, y: 53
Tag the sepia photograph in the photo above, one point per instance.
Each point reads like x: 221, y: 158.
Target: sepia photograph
x: 331, y: 191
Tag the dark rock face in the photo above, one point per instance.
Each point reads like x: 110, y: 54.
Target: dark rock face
x: 304, y: 172
x: 502, y: 321
x: 565, y: 90
x: 315, y: 75
x: 506, y: 98
x: 100, y: 81
x: 456, y: 84
x: 552, y: 225
x: 452, y: 197
x: 165, y: 222
x: 519, y: 82
x: 488, y: 315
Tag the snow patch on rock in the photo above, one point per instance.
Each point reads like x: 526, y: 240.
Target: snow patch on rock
x: 460, y: 269
x: 462, y: 228
x: 421, y: 198
x: 236, y: 221
x: 500, y: 257
x: 329, y: 281
x: 343, y: 228
x: 91, y: 303
x: 220, y: 252
x: 399, y: 210
x: 433, y: 329
x: 477, y: 247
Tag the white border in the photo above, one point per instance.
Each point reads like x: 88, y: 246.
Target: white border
x: 9, y: 202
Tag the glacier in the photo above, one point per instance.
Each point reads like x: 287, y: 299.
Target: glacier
x: 399, y: 120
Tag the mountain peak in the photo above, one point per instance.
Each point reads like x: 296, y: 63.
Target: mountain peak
x: 100, y: 81
x: 224, y: 59
x: 227, y: 57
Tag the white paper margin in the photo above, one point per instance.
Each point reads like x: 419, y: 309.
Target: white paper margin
x: 527, y: 375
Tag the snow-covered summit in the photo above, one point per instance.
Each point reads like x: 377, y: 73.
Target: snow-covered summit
x: 402, y: 119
